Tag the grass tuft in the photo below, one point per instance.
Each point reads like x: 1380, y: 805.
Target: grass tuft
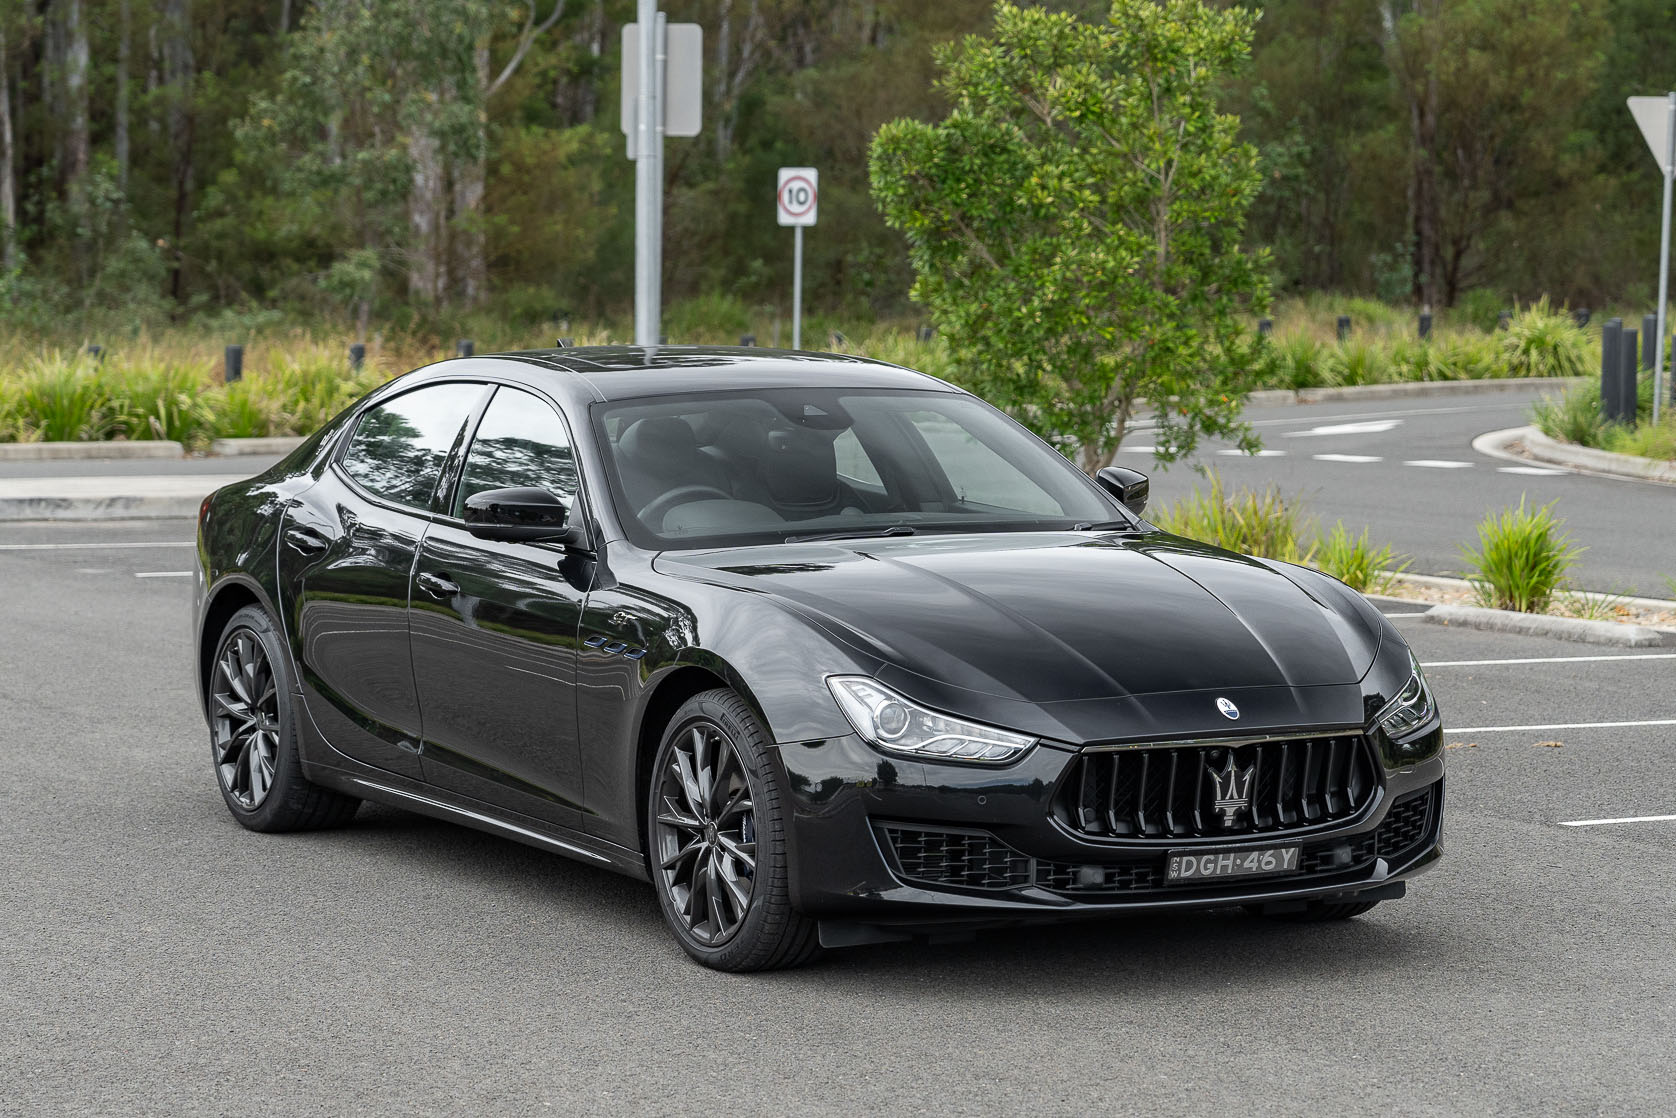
x: 1522, y: 558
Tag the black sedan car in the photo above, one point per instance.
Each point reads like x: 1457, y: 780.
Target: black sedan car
x: 828, y: 650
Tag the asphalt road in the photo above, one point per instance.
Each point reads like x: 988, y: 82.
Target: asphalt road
x: 156, y: 958
x: 1405, y: 470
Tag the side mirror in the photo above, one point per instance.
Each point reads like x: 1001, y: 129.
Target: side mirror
x: 526, y: 515
x: 1130, y: 487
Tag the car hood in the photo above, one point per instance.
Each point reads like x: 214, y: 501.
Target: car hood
x: 1057, y: 617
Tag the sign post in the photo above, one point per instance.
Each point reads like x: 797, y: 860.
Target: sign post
x: 795, y: 201
x: 1656, y: 117
x: 662, y: 96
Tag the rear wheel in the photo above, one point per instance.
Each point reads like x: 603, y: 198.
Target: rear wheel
x: 253, y: 734
x: 717, y: 843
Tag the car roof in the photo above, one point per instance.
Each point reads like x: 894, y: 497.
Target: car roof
x: 631, y: 372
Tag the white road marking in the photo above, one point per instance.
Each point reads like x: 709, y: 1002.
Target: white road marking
x: 1535, y: 471
x: 1369, y: 427
x: 1140, y: 449
x: 1625, y: 819
x: 1235, y: 452
x: 1403, y: 615
x: 1347, y: 458
x: 1558, y: 726
x: 162, y: 574
x: 1149, y: 425
x: 1439, y: 464
x: 92, y: 546
x: 1541, y: 659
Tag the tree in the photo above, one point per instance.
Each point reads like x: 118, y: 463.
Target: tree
x: 1075, y: 221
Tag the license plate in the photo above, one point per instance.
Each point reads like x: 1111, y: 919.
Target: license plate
x: 1201, y: 865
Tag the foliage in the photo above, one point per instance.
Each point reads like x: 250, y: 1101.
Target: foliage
x: 1542, y: 342
x: 1356, y: 562
x: 1521, y: 559
x: 1252, y: 522
x: 1571, y: 417
x: 1074, y: 223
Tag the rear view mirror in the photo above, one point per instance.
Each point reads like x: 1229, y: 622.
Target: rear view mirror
x: 525, y: 514
x: 1130, y: 487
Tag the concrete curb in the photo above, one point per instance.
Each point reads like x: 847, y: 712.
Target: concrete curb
x: 1444, y: 582
x: 81, y: 451
x: 1562, y: 628
x: 1538, y: 447
x: 1276, y: 397
x: 278, y: 444
x: 108, y: 498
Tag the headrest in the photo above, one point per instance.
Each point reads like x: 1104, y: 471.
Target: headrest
x: 800, y: 468
x: 659, y: 439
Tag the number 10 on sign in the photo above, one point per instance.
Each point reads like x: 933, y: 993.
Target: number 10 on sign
x: 795, y: 201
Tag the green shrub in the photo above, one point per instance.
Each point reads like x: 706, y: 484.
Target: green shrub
x: 1354, y: 561
x: 1543, y: 342
x: 1646, y: 440
x: 1359, y: 362
x: 1252, y: 522
x: 1521, y: 559
x: 63, y: 399
x: 162, y: 401
x: 1572, y: 416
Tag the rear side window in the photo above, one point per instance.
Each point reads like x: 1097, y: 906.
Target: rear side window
x: 520, y: 442
x: 398, y: 448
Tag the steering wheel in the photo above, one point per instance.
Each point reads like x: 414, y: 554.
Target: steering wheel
x: 652, y: 515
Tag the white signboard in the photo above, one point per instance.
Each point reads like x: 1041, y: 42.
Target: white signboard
x: 683, y: 79
x: 796, y: 197
x: 1652, y: 114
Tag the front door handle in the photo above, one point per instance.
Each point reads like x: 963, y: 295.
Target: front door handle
x: 306, y: 540
x: 438, y: 586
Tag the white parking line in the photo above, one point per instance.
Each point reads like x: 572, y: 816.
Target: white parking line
x: 1535, y: 471
x: 1558, y: 726
x: 1540, y: 659
x: 162, y: 574
x: 1140, y: 449
x: 92, y: 546
x: 1438, y: 464
x: 1625, y: 819
x: 1235, y: 452
x: 1402, y: 615
x: 1372, y: 427
x: 1347, y: 458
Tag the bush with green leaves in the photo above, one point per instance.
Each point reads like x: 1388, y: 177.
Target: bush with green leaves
x: 1076, y: 222
x: 1543, y: 342
x: 1357, y: 562
x: 1522, y: 558
x: 1263, y: 522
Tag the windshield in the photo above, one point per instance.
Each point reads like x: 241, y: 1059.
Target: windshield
x: 726, y: 468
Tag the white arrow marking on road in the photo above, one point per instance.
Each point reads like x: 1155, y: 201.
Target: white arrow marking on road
x: 1537, y: 471
x: 1346, y: 458
x: 1439, y: 464
x: 1235, y: 452
x: 1140, y: 449
x: 162, y: 574
x: 1625, y: 819
x: 1372, y: 427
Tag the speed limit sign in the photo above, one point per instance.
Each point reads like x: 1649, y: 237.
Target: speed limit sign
x: 796, y: 198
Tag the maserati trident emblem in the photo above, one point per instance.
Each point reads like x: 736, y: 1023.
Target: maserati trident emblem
x: 1233, y: 789
x: 1228, y: 709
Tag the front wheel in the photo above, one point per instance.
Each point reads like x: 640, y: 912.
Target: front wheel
x: 716, y: 841
x: 253, y: 733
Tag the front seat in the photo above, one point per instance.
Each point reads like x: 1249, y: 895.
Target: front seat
x: 660, y: 454
x: 800, y: 471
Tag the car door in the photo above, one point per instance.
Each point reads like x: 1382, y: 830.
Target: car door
x: 346, y: 560
x: 495, y: 627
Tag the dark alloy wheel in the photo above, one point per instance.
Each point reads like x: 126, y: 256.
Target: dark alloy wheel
x: 716, y: 840
x: 253, y: 733
x: 244, y: 712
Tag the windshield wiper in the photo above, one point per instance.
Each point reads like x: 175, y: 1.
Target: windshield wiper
x: 1103, y: 526
x: 854, y: 534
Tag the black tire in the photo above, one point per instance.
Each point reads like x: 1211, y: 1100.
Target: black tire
x: 1319, y: 912
x: 691, y: 830
x: 253, y: 733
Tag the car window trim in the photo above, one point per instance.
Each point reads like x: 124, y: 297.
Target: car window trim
x: 342, y: 449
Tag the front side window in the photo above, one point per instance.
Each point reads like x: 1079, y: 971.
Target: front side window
x: 399, y: 447
x: 520, y: 442
x: 726, y: 468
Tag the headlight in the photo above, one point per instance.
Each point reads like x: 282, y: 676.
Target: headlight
x: 900, y: 725
x: 1412, y: 708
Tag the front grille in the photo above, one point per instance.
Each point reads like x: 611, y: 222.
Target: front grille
x: 978, y: 860
x: 1173, y: 792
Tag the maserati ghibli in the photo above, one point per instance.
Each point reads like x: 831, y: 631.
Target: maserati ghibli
x: 827, y: 650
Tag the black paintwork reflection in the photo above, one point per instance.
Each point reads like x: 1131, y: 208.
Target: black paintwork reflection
x: 398, y: 448
x: 495, y: 664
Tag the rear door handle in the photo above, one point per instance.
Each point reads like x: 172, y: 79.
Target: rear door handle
x: 306, y: 540
x: 437, y: 586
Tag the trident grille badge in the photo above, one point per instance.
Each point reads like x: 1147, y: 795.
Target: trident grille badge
x: 1233, y: 790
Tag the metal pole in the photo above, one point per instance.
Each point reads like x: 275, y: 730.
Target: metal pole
x: 658, y: 98
x: 646, y: 180
x: 797, y: 287
x: 1664, y: 255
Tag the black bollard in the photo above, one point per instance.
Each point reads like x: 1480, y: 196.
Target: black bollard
x: 1611, y: 336
x: 1265, y: 327
x: 1425, y: 325
x: 1581, y: 316
x: 234, y: 368
x: 97, y: 352
x: 465, y: 347
x: 837, y: 340
x: 1504, y: 320
x: 926, y: 333
x: 748, y: 340
x: 1649, y: 339
x: 357, y: 356
x: 1627, y: 377
x: 1343, y: 327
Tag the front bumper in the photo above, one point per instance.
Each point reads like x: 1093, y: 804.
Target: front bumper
x: 890, y: 841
